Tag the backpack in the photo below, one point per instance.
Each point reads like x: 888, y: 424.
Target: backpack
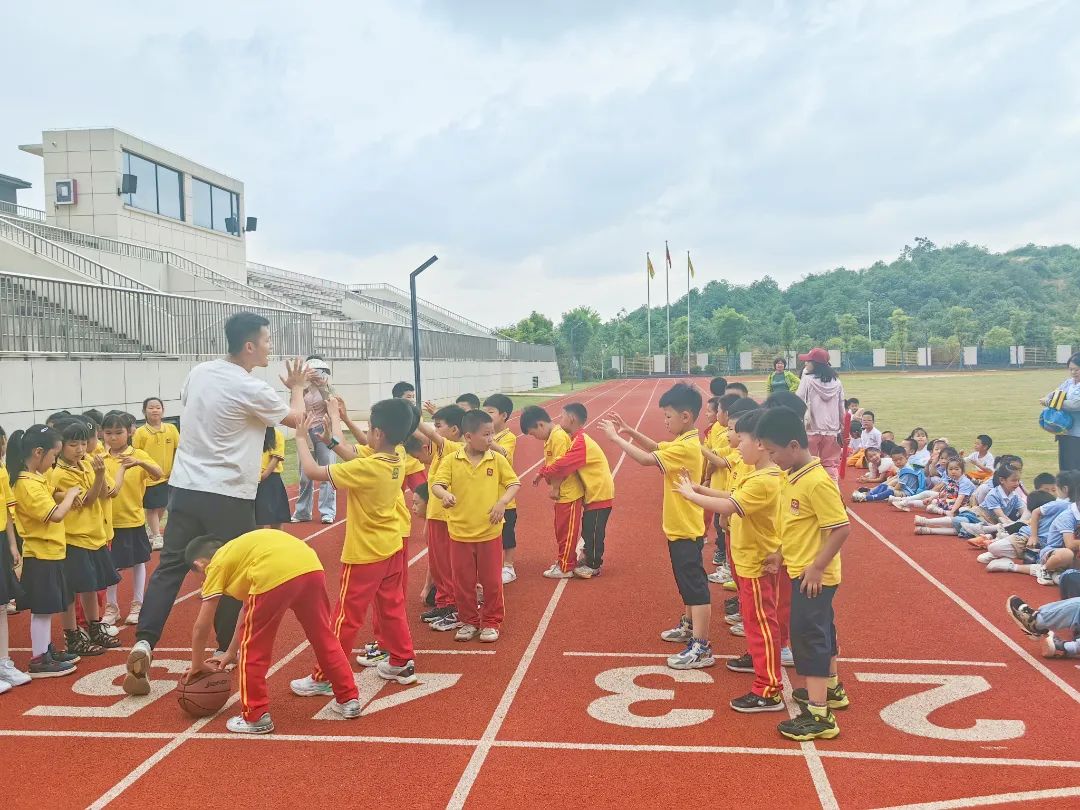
x: 1053, y: 419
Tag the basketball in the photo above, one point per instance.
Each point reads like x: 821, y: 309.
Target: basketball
x: 206, y: 694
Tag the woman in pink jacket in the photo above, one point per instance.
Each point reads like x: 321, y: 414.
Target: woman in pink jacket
x: 823, y: 394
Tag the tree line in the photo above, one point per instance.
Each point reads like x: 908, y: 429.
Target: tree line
x: 944, y: 297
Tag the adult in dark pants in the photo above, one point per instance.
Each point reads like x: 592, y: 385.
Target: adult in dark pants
x: 1069, y: 443
x: 216, y: 473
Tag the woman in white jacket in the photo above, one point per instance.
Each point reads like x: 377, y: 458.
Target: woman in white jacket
x: 823, y: 394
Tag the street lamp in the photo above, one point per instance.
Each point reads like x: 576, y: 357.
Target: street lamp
x: 416, y: 324
x: 572, y: 330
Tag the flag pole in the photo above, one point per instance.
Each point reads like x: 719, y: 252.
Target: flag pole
x: 648, y: 304
x: 689, y: 368
x: 667, y: 294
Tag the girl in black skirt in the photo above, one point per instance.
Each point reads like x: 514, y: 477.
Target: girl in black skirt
x: 9, y: 584
x: 88, y: 565
x: 40, y: 522
x: 271, y: 501
x: 130, y: 545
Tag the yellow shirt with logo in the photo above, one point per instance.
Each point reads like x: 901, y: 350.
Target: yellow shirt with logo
x: 127, y: 506
x: 257, y: 562
x: 160, y: 444
x: 755, y: 526
x: 682, y: 519
x: 373, y: 489
x: 84, y: 524
x: 810, y: 505
x: 34, y: 504
x: 558, y: 442
x: 507, y: 440
x: 435, y: 509
x: 476, y: 488
x: 278, y: 451
x: 410, y: 466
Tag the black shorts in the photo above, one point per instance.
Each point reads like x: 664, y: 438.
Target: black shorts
x: 45, y: 587
x: 689, y: 571
x: 89, y: 571
x: 156, y: 497
x: 509, y: 537
x: 129, y: 547
x: 813, y: 630
x: 271, y: 502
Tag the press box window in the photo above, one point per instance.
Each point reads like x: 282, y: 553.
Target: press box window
x: 215, y: 207
x: 158, y: 189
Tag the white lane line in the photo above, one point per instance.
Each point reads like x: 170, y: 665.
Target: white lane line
x: 1000, y: 798
x: 1025, y: 656
x: 901, y: 661
x: 812, y: 755
x: 479, y: 755
x: 193, y: 730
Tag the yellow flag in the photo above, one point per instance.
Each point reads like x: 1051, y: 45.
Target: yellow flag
x: 689, y: 264
x: 648, y: 264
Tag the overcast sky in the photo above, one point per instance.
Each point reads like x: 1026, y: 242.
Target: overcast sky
x: 541, y: 148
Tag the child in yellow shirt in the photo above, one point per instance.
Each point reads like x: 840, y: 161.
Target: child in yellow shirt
x: 159, y: 440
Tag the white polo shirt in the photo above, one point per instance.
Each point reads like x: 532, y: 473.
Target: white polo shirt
x: 226, y: 413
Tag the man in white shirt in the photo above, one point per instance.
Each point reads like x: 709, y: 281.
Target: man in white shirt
x: 216, y: 472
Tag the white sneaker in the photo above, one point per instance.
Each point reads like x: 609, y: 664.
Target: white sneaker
x: 584, y: 572
x: 1000, y: 565
x: 350, y: 709
x: 12, y: 675
x: 489, y: 634
x: 403, y: 675
x: 133, y: 614
x: 985, y: 558
x: 737, y: 630
x: 466, y: 632
x: 11, y: 606
x: 858, y: 497
x: 238, y: 725
x: 557, y: 573
x: 327, y: 520
x: 4, y: 687
x: 137, y: 681
x: 508, y: 574
x: 1044, y: 577
x: 111, y: 615
x: 786, y: 658
x: 157, y: 543
x: 309, y: 687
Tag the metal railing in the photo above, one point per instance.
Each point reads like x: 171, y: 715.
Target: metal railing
x: 364, y: 340
x: 22, y: 211
x: 136, y: 251
x: 302, y: 278
x: 46, y: 316
x: 67, y: 258
x: 422, y: 302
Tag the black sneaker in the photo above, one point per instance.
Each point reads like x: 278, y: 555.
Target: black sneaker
x: 836, y: 697
x: 731, y: 606
x: 719, y: 557
x: 63, y: 657
x: 429, y: 598
x: 1023, y: 615
x: 100, y: 636
x: 751, y: 703
x: 78, y: 643
x: 807, y: 726
x: 428, y: 616
x: 744, y: 663
x: 45, y: 666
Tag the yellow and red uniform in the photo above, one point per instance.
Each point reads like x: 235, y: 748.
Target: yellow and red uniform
x: 271, y: 572
x: 438, y: 535
x: 585, y: 458
x: 569, y: 503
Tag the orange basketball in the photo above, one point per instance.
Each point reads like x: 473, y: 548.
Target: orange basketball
x: 206, y: 694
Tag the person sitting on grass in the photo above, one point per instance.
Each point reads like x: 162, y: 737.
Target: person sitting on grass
x: 981, y: 460
x: 1003, y: 506
x: 908, y: 481
x: 1045, y: 482
x: 1019, y: 552
x: 946, y: 498
x: 1042, y: 622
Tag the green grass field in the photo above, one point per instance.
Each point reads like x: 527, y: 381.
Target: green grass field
x: 959, y: 406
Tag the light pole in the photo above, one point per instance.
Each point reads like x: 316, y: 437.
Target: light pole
x: 572, y: 330
x: 416, y: 324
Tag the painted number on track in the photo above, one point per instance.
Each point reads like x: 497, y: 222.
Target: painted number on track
x: 912, y: 714
x: 106, y: 683
x: 370, y: 684
x: 625, y: 692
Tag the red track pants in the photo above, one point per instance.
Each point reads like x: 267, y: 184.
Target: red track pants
x: 440, y: 562
x: 376, y: 628
x: 306, y: 597
x: 360, y: 584
x: 567, y: 532
x: 478, y: 563
x: 757, y: 603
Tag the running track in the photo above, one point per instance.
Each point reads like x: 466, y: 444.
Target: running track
x: 574, y: 706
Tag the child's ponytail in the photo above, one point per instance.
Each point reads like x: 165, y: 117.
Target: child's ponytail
x: 24, y: 442
x: 15, y: 461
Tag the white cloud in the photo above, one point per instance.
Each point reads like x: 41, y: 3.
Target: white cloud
x: 541, y: 156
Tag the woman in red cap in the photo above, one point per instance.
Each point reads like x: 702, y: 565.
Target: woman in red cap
x: 823, y: 394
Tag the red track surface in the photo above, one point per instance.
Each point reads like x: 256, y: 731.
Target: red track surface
x: 574, y: 706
